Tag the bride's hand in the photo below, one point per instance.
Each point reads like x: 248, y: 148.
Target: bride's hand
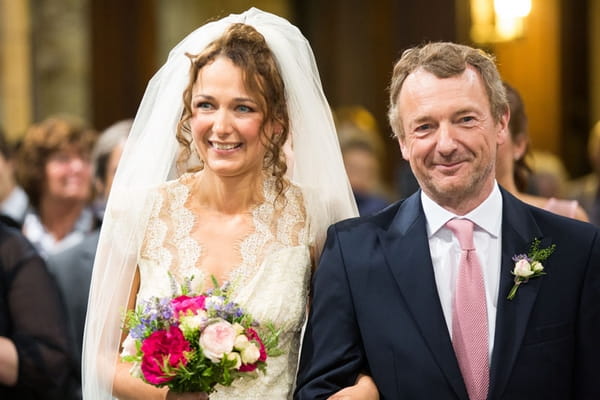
x: 363, y: 389
x: 186, y: 396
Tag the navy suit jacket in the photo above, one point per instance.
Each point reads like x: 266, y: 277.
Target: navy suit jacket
x: 376, y: 309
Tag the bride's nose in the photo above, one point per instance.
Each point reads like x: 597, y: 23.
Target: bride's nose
x: 222, y: 122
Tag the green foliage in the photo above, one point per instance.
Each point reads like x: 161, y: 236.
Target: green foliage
x: 537, y: 254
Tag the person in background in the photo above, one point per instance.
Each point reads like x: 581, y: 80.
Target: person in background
x: 35, y: 361
x: 54, y: 169
x: 13, y: 199
x: 363, y: 152
x: 587, y: 188
x: 72, y: 267
x: 512, y: 171
x: 105, y: 159
x: 362, y: 166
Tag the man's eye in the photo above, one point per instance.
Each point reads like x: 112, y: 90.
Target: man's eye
x: 423, y: 129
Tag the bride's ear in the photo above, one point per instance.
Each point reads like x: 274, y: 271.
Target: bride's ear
x: 277, y: 128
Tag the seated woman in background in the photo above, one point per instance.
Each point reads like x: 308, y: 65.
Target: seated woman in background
x: 54, y: 169
x: 34, y: 340
x: 512, y: 171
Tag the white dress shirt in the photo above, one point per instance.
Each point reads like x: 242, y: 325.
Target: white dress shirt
x: 445, y: 252
x: 44, y: 241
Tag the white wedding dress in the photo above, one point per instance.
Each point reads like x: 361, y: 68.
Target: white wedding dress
x: 271, y: 281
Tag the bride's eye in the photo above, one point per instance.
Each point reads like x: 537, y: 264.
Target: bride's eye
x: 203, y: 105
x: 244, y: 108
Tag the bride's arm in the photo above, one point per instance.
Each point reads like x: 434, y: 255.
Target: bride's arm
x: 125, y: 386
x: 363, y: 389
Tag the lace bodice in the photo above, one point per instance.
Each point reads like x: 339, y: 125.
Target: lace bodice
x: 271, y: 280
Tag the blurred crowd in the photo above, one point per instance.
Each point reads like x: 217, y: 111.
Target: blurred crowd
x: 54, y: 184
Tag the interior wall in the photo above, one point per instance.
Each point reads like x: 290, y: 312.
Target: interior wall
x: 356, y: 44
x: 534, y: 70
x: 15, y: 73
x: 177, y: 18
x: 61, y: 62
x: 594, y: 52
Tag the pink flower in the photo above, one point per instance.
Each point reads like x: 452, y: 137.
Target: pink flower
x: 160, y: 348
x: 217, y: 339
x: 253, y: 337
x: 188, y: 305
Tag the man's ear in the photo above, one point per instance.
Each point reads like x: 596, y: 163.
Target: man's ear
x: 403, y: 147
x: 502, y: 133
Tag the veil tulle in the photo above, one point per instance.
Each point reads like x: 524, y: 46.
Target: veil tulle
x: 149, y: 157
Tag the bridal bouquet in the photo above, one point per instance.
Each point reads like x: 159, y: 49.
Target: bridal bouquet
x: 191, y: 343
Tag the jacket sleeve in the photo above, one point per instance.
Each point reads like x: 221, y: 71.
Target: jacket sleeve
x: 587, y: 351
x: 332, y: 354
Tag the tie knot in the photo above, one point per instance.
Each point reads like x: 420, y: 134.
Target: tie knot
x: 463, y: 230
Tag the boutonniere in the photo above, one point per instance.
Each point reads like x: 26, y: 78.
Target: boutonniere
x: 528, y: 266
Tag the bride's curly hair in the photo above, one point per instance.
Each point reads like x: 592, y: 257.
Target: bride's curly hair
x: 248, y: 50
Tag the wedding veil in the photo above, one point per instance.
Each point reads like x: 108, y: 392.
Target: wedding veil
x: 149, y: 157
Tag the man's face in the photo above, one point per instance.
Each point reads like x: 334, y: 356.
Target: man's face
x: 450, y: 137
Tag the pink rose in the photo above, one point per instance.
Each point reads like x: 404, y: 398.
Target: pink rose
x: 188, y: 305
x: 253, y: 337
x: 163, y: 345
x: 217, y: 339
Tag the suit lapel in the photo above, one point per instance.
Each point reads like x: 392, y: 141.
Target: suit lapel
x: 518, y: 231
x: 406, y: 249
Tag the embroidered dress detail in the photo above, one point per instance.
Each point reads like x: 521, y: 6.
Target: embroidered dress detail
x: 271, y: 279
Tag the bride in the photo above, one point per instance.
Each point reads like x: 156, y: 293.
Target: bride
x: 262, y: 178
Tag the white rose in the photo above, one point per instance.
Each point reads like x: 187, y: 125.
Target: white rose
x: 233, y: 356
x: 217, y: 339
x: 250, y: 354
x: 239, y: 329
x: 196, y: 284
x: 537, y: 266
x: 194, y: 322
x: 523, y: 269
x: 241, y: 342
x: 129, y: 347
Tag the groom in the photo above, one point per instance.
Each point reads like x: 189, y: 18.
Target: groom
x: 416, y: 296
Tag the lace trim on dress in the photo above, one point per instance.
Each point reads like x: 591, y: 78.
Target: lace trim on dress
x: 277, y: 223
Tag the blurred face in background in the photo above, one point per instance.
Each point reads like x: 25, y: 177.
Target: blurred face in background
x: 362, y: 168
x: 68, y: 176
x: 7, y: 182
x: 111, y: 167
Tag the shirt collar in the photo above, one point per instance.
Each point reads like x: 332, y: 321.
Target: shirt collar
x: 487, y: 215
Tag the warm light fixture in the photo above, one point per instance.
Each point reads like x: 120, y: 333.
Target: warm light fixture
x: 498, y: 20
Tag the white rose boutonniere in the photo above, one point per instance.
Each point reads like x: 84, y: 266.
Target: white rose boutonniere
x: 528, y: 266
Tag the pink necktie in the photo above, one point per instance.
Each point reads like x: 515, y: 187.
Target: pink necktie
x: 469, y: 315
